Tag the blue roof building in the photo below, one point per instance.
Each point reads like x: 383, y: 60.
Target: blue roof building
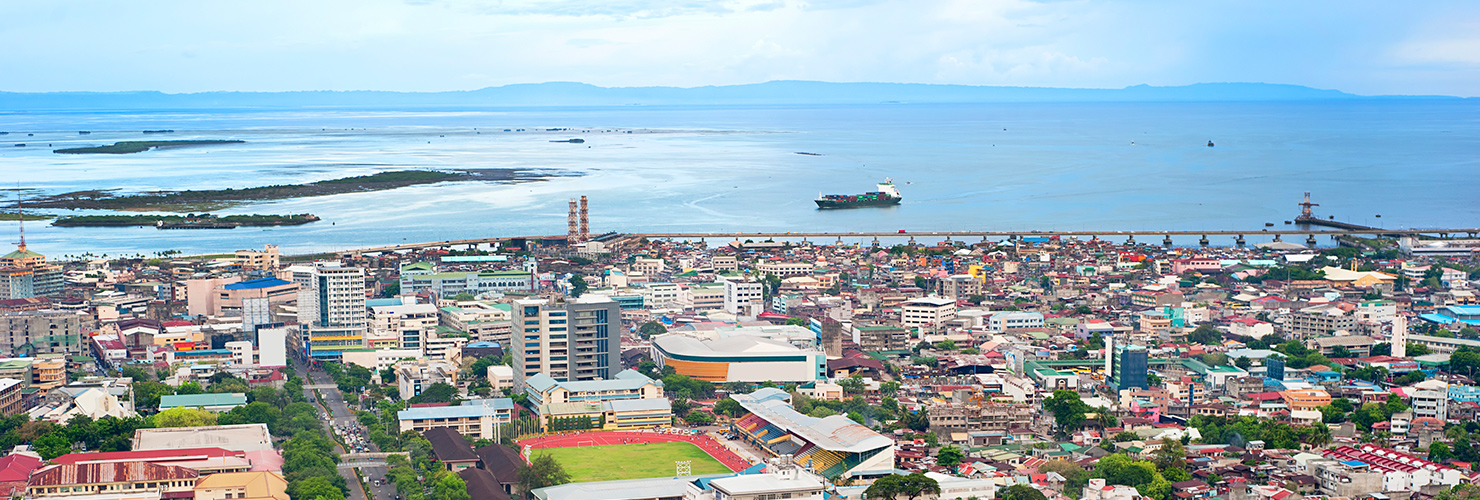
x: 474, y: 419
x: 256, y: 284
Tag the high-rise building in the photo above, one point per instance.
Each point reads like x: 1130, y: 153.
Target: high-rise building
x: 571, y: 341
x: 1399, y: 338
x: 331, y: 308
x: 25, y: 274
x: 1129, y: 367
x: 742, y: 297
x: 1274, y: 368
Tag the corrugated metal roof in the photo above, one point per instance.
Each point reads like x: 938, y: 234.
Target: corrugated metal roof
x: 115, y: 472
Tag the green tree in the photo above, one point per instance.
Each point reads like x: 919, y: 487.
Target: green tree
x: 949, y: 456
x: 1171, y: 455
x: 1206, y: 334
x: 1215, y: 359
x: 183, y: 417
x: 1067, y: 408
x: 439, y: 392
x: 852, y: 385
x: 1382, y: 349
x: 449, y: 486
x: 1439, y: 452
x: 52, y: 445
x: 316, y: 488
x: 728, y: 407
x: 541, y: 472
x: 1243, y: 362
x: 1022, y: 492
x: 652, y: 328
x: 578, y: 285
x: 893, y: 486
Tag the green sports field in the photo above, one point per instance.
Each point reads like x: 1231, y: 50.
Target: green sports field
x: 631, y: 461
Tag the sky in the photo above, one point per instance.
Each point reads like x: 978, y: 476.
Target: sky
x: 1357, y: 46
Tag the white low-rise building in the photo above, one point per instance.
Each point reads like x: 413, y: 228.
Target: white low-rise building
x: 926, y: 313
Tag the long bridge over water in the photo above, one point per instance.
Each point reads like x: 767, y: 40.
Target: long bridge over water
x: 1130, y: 236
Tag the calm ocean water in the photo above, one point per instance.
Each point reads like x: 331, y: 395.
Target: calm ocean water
x: 1116, y: 166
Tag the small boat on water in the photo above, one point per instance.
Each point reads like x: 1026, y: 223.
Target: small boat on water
x: 1210, y: 144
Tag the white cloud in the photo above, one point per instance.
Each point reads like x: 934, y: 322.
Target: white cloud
x: 182, y: 45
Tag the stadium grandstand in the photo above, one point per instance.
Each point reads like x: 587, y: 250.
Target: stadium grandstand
x: 831, y: 446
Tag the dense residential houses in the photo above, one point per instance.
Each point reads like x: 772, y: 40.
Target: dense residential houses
x: 1278, y: 370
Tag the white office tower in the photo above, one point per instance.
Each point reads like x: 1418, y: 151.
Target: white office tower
x: 272, y: 347
x: 569, y: 341
x: 742, y: 298
x: 1399, y: 338
x: 331, y: 308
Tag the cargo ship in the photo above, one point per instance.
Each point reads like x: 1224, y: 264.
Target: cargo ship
x: 887, y: 195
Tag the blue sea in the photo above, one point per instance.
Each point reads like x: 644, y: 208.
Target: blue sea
x: 1030, y: 166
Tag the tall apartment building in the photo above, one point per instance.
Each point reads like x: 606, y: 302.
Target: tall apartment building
x: 1128, y: 366
x: 45, y: 332
x: 265, y: 259
x: 570, y: 341
x: 960, y: 286
x: 25, y: 274
x: 411, y: 325
x: 881, y: 338
x: 1317, y: 321
x: 1431, y: 399
x: 331, y: 308
x: 742, y: 297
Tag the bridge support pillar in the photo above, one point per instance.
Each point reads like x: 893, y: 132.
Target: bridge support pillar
x: 1203, y: 241
x: 1130, y: 240
x: 1310, y: 240
x: 1239, y: 241
x: 840, y: 240
x: 1167, y: 241
x: 1276, y: 237
x: 912, y: 241
x: 876, y: 241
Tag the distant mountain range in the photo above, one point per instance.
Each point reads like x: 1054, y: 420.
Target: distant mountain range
x: 580, y: 94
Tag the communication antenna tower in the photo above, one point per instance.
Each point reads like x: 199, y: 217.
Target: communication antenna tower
x: 20, y: 218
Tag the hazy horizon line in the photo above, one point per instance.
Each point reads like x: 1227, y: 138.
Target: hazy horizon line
x: 719, y: 86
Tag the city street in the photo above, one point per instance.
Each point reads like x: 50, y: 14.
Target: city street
x: 340, y: 416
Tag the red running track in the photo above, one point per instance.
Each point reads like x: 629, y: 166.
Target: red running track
x: 704, y: 442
